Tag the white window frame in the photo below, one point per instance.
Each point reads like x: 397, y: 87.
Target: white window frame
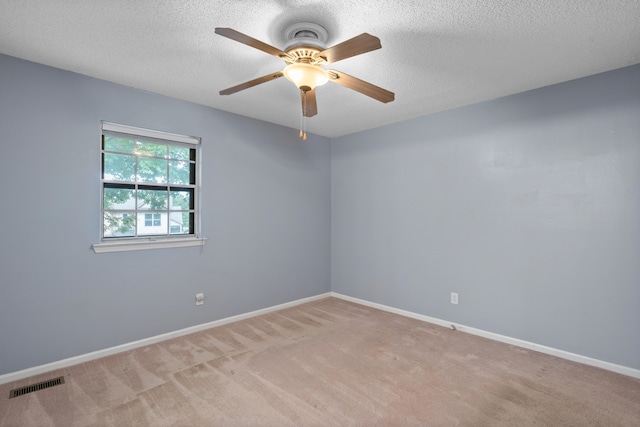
x: 151, y: 242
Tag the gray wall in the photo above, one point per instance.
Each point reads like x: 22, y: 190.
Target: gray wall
x: 265, y: 204
x: 527, y: 206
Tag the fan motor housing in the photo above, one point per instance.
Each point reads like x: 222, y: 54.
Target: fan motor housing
x: 305, y: 54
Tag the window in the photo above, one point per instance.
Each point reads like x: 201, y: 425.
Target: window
x: 149, y: 189
x: 153, y: 220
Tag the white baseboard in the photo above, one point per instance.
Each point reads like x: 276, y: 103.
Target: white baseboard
x: 25, y: 373
x: 15, y: 376
x: 624, y: 370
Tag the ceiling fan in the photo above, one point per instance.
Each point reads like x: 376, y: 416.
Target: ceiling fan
x: 305, y: 55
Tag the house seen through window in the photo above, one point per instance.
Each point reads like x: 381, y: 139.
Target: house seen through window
x: 149, y: 184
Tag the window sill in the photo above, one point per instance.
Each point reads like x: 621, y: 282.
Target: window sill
x: 138, y: 245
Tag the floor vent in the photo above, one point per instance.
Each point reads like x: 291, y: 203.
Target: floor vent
x: 35, y: 387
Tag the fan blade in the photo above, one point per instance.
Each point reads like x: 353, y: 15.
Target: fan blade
x: 251, y: 83
x: 250, y: 41
x: 309, y: 105
x: 361, y: 86
x: 352, y: 47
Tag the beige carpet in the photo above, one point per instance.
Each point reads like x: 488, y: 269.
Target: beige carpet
x: 328, y: 363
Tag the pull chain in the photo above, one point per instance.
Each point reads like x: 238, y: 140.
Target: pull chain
x: 303, y: 121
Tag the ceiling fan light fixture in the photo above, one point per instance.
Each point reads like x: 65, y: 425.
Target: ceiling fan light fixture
x: 306, y: 76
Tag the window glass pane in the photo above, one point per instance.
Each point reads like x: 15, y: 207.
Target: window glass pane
x: 152, y: 224
x: 152, y: 199
x: 118, y: 224
x: 179, y: 172
x: 152, y: 170
x: 181, y: 200
x: 119, y: 198
x: 118, y: 167
x: 179, y: 222
x: 151, y: 149
x: 179, y: 153
x: 120, y: 145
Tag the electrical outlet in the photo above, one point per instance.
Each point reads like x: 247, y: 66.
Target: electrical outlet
x: 454, y: 298
x: 199, y: 299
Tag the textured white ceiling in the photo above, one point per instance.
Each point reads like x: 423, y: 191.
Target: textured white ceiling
x: 436, y: 54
